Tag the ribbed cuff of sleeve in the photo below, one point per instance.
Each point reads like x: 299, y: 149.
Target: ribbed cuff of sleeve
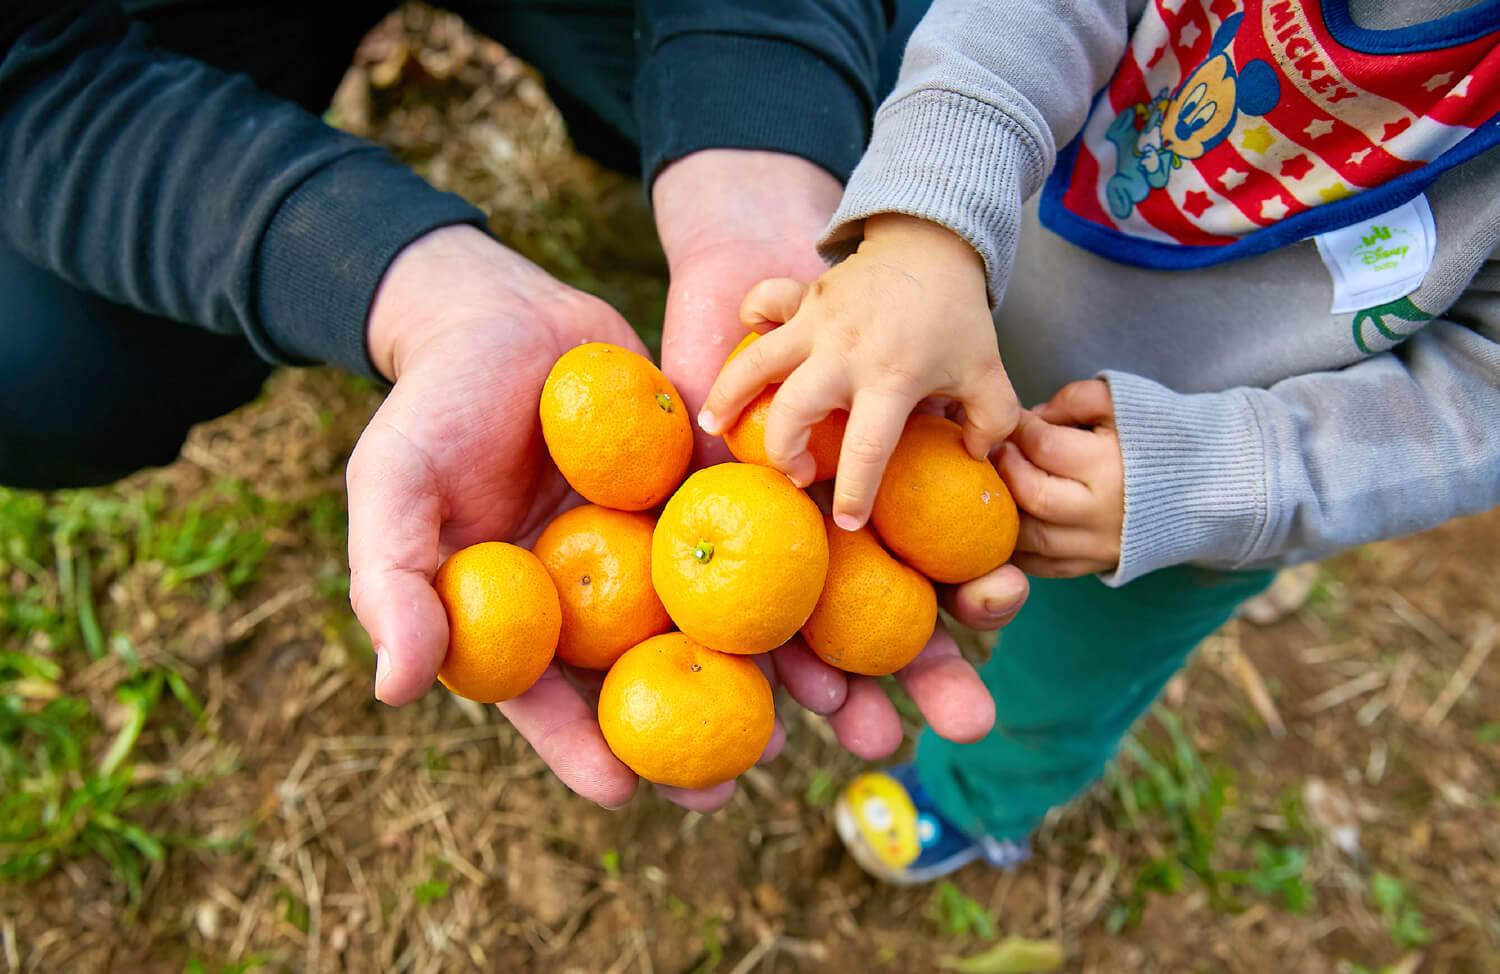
x: 705, y: 90
x: 1196, y: 482
x: 324, y: 252
x: 947, y: 158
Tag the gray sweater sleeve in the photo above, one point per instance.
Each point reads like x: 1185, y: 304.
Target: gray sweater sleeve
x: 987, y: 92
x: 1317, y: 463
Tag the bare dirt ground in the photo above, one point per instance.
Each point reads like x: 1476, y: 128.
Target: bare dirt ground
x: 347, y: 836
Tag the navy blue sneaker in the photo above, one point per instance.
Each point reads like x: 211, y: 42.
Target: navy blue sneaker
x: 891, y: 828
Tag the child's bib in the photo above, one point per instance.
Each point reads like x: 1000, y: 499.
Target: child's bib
x: 1232, y: 128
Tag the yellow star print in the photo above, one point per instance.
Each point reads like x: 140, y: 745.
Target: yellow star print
x: 1258, y: 139
x: 1335, y: 192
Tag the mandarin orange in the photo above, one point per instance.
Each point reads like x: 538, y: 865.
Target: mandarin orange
x: 746, y: 439
x: 940, y: 510
x: 600, y: 560
x: 678, y: 713
x: 615, y: 426
x: 875, y: 614
x: 503, y: 620
x: 738, y: 557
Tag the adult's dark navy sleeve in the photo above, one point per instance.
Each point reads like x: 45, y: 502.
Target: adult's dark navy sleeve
x: 795, y: 76
x: 160, y: 182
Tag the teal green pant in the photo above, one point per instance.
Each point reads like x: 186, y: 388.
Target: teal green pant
x: 1070, y: 676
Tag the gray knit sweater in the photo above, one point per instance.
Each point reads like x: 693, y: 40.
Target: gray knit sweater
x: 1258, y: 428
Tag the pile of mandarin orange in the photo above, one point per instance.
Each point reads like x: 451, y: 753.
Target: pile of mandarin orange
x: 672, y: 586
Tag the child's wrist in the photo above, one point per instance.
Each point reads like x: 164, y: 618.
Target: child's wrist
x: 920, y: 238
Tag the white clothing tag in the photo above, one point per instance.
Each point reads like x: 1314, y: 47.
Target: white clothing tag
x: 1380, y: 259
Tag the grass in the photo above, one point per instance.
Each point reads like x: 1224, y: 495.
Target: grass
x: 1165, y: 789
x: 62, y: 804
x: 254, y: 962
x: 822, y: 787
x: 293, y: 910
x: 710, y: 935
x: 78, y: 696
x: 1278, y: 873
x: 1398, y: 911
x: 430, y: 891
x: 957, y: 915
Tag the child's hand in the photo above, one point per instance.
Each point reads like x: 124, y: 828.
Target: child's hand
x: 1069, y: 483
x: 905, y: 318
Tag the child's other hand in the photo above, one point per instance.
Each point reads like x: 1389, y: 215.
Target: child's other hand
x: 904, y: 318
x: 1069, y: 483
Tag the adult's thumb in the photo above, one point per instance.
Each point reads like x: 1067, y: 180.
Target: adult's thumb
x: 395, y: 513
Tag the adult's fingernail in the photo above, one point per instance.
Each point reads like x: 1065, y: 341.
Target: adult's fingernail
x: 382, y: 670
x: 708, y: 422
x: 1001, y: 604
x: 846, y: 521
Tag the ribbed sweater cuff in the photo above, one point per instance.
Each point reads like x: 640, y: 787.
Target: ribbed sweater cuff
x: 326, y: 249
x: 1196, y: 486
x: 948, y: 158
x: 704, y: 90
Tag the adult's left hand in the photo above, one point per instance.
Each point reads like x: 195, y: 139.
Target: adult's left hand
x: 728, y: 219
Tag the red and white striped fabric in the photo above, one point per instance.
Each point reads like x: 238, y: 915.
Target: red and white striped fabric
x: 1226, y: 119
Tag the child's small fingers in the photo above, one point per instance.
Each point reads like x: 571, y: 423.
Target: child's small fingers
x: 1040, y: 566
x: 876, y: 420
x: 806, y: 396
x: 1061, y: 542
x: 743, y: 377
x: 771, y: 302
x: 990, y: 412
x: 1039, y: 493
x: 1060, y: 450
x: 1085, y: 403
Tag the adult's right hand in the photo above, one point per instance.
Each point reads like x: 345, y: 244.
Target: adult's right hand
x: 467, y: 331
x: 941, y: 682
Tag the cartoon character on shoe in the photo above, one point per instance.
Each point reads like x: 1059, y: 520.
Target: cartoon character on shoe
x: 891, y: 828
x: 1152, y: 139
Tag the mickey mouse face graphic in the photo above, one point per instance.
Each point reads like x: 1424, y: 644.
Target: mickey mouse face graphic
x: 1203, y: 111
